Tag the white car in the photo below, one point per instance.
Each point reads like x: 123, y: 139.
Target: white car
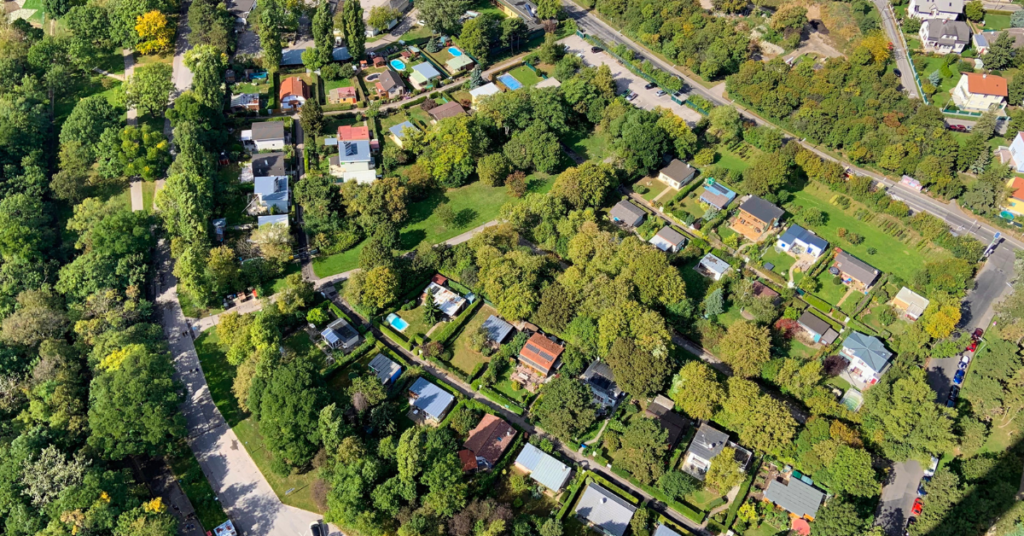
x: 931, y: 468
x: 965, y: 359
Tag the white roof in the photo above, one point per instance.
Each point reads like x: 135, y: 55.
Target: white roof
x: 246, y: 135
x: 447, y: 300
x: 714, y: 264
x: 273, y: 220
x: 548, y: 82
x: 485, y: 90
x: 916, y: 302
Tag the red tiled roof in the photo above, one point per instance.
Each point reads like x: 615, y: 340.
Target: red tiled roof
x: 347, y: 133
x: 439, y: 279
x: 541, y: 351
x: 489, y: 439
x: 294, y: 86
x: 1017, y: 188
x: 345, y: 92
x: 468, y: 460
x: 986, y: 84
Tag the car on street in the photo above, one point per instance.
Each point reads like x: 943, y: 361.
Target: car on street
x: 965, y: 358
x: 595, y: 50
x: 961, y: 366
x: 930, y: 471
x: 911, y: 521
x: 958, y: 378
x: 314, y: 529
x: 972, y: 347
x: 951, y: 403
x: 921, y: 492
x: 957, y: 128
x: 897, y: 72
x: 651, y: 85
x: 977, y: 334
x: 918, y: 507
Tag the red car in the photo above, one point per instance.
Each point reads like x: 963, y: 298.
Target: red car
x: 972, y: 347
x: 977, y: 334
x: 918, y: 506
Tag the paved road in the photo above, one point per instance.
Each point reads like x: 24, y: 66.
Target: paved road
x: 899, y: 51
x: 898, y: 496
x: 129, y: 69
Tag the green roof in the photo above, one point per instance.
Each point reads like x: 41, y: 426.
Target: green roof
x: 458, y: 62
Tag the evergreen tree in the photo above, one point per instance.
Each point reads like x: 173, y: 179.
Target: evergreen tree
x: 270, y: 34
x: 476, y: 79
x: 354, y: 28
x: 323, y: 34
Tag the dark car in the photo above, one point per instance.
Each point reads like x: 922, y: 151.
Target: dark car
x: 897, y: 72
x: 977, y: 334
x: 950, y: 403
x: 652, y: 85
x: 921, y: 492
x: 314, y: 529
x: 958, y: 378
x: 911, y: 521
x: 595, y: 50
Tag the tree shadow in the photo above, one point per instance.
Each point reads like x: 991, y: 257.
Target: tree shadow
x: 422, y: 209
x: 465, y: 217
x: 411, y: 239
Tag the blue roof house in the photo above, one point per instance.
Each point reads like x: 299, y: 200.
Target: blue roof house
x: 799, y: 241
x: 398, y: 131
x: 386, y: 370
x: 543, y: 468
x: 271, y: 195
x: 429, y: 402
x: 717, y: 195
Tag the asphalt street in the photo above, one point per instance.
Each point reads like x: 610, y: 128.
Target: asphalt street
x: 899, y: 51
x: 898, y: 496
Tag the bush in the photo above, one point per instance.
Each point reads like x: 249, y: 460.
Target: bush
x: 280, y: 467
x: 336, y: 71
x: 640, y: 189
x: 872, y: 251
x: 837, y: 280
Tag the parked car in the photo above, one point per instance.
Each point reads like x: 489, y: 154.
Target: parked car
x: 314, y: 529
x: 631, y: 97
x: 951, y: 403
x: 958, y: 378
x: 957, y: 128
x: 897, y: 72
x: 965, y: 358
x: 930, y: 471
x: 911, y: 521
x: 595, y: 50
x: 921, y: 492
x: 977, y: 334
x: 660, y: 93
x: 961, y: 366
x: 972, y: 347
x: 954, y: 392
x: 918, y: 507
x: 651, y: 85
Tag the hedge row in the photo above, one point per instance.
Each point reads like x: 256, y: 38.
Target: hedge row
x: 501, y: 400
x: 368, y: 343
x: 614, y: 488
x: 570, y: 494
x: 817, y: 302
x: 451, y: 328
x: 685, y: 509
x: 395, y: 337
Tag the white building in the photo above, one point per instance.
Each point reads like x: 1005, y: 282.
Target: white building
x: 264, y: 136
x: 354, y: 162
x: 935, y: 9
x: 869, y: 359
x: 942, y: 36
x: 980, y: 92
x: 270, y: 195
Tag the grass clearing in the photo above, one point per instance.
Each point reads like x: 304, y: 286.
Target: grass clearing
x: 295, y: 489
x: 338, y: 263
x: 654, y: 187
x: 525, y: 75
x: 782, y: 261
x: 589, y: 145
x: 829, y: 291
x: 464, y: 357
x: 195, y: 485
x: 737, y: 160
x: 220, y: 375
x: 994, y: 21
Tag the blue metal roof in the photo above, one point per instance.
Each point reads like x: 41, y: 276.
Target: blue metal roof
x: 663, y: 530
x: 544, y: 468
x: 277, y: 218
x: 396, y: 130
x: 354, y: 151
x: 271, y: 188
x: 430, y: 398
x: 292, y: 56
x: 341, y: 54
x: 497, y: 329
x: 797, y: 233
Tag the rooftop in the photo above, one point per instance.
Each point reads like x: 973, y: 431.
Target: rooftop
x: 668, y: 235
x: 708, y: 442
x: 601, y: 378
x: 544, y: 468
x: 986, y: 84
x: 941, y: 6
x: 605, y: 509
x: 550, y: 81
x: 916, y: 303
x: 797, y: 497
x: 458, y: 62
x: 541, y: 352
x: 948, y: 32
x: 430, y: 398
x: 267, y: 130
x: 268, y: 165
x: 426, y: 70
x: 271, y: 188
x: 398, y: 130
x: 868, y: 349
x: 447, y: 300
x: 795, y: 233
x: 678, y: 170
x: 714, y: 264
x: 383, y: 367
x: 856, y: 268
x: 446, y: 110
x: 340, y: 331
x: 627, y: 212
x: 348, y: 133
x: 761, y: 209
x: 354, y: 151
x: 497, y: 329
x: 294, y: 86
x: 484, y: 90
x: 814, y: 323
x: 276, y: 219
x: 388, y: 80
x: 490, y: 438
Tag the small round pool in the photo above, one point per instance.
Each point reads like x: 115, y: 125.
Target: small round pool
x: 454, y: 51
x: 372, y: 77
x: 398, y: 65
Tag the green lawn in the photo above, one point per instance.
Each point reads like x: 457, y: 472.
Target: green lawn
x: 589, y: 145
x: 37, y: 5
x: 295, y: 489
x: 898, y: 258
x: 148, y: 192
x: 414, y: 114
x: 418, y: 324
x: 655, y: 187
x: 799, y: 350
x: 782, y: 261
x: 279, y: 284
x: 505, y: 387
x: 334, y: 84
x: 464, y: 357
x: 526, y: 76
x: 765, y: 529
x: 993, y: 21
x: 730, y: 316
x: 219, y: 376
x: 830, y: 292
x: 192, y: 480
x: 735, y: 161
x: 338, y: 263
x: 702, y: 498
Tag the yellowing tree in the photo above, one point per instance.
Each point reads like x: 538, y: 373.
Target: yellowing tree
x: 878, y: 44
x: 155, y: 35
x: 941, y: 318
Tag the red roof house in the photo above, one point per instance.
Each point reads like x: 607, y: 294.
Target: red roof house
x: 540, y: 354
x: 488, y: 441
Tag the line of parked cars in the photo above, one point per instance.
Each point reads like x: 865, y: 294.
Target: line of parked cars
x: 961, y: 368
x: 959, y: 128
x: 918, y: 506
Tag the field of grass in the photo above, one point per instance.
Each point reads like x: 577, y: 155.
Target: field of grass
x: 414, y: 114
x: 994, y: 21
x: 782, y: 261
x: 338, y: 263
x: 295, y: 489
x: 219, y: 376
x: 735, y: 161
x: 830, y: 292
x: 464, y: 357
x: 334, y: 84
x: 37, y: 5
x: 941, y: 95
x: 148, y: 192
x: 899, y: 258
x: 525, y: 75
x: 655, y: 187
x: 505, y: 387
x: 418, y: 324
x: 765, y: 529
x: 589, y: 145
x: 702, y: 498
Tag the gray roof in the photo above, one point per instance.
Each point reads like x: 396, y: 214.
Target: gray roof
x: 717, y: 195
x: 354, y: 151
x: 708, y: 442
x: 856, y: 268
x: 544, y: 468
x: 941, y: 6
x: 430, y: 398
x: 663, y: 530
x: 268, y: 165
x: 397, y: 130
x: 267, y: 130
x: 868, y: 349
x: 627, y: 212
x: 271, y: 188
x: 241, y: 8
x: 426, y: 69
x: 292, y: 56
x: 714, y: 264
x: 988, y: 38
x: 797, y: 233
x: 798, y: 497
x: 383, y: 367
x: 678, y: 170
x: 489, y: 88
x: 948, y: 32
x: 670, y: 235
x: 601, y: 378
x: 761, y: 209
x: 389, y: 79
x: 497, y: 329
x: 340, y: 330
x: 605, y: 509
x: 813, y: 323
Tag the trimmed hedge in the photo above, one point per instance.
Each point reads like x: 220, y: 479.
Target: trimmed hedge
x: 684, y: 509
x: 570, y: 494
x: 393, y: 335
x: 450, y: 329
x: 369, y: 342
x: 614, y: 488
x: 734, y: 508
x: 501, y: 400
x: 817, y: 302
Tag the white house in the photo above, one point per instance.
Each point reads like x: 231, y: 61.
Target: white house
x: 980, y: 92
x: 935, y: 9
x: 799, y: 241
x: 270, y: 195
x: 677, y: 173
x: 354, y: 162
x: 869, y: 359
x: 668, y: 239
x: 708, y: 443
x: 294, y: 93
x: 264, y: 136
x: 713, y: 267
x: 943, y: 36
x: 483, y: 91
x: 1014, y: 156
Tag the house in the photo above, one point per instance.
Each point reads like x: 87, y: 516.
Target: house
x: 487, y: 442
x: 276, y: 219
x: 627, y: 213
x: 497, y: 329
x: 293, y: 93
x: 869, y: 359
x: 389, y: 85
x: 386, y: 370
x: 980, y: 92
x: 429, y: 402
x: 550, y: 81
x: 245, y: 102
x: 446, y: 110
x: 604, y: 511
x: 713, y: 267
x: 798, y: 241
x: 708, y: 443
x: 944, y: 36
x: 343, y: 95
x: 797, y: 497
x: 340, y: 335
x: 677, y: 173
x: 984, y: 40
x: 423, y: 74
x: 668, y: 239
x: 601, y: 380
x: 819, y: 330
x: 401, y: 6
x: 353, y: 162
x: 351, y: 133
x: 760, y: 290
x: 458, y: 63
x: 935, y: 9
x: 483, y: 91
x: 264, y: 136
x: 756, y: 217
x: 240, y: 10
x: 1014, y: 154
x: 270, y: 195
x: 662, y: 409
x: 854, y: 272
x: 663, y: 530
x: 447, y: 300
x: 524, y: 10
x: 264, y: 165
x: 1015, y: 201
x: 910, y: 303
x: 540, y: 354
x: 399, y: 131
x: 717, y: 195
x: 543, y: 468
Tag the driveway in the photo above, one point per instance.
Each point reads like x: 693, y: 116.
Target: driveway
x: 898, y: 496
x: 991, y: 284
x: 625, y: 80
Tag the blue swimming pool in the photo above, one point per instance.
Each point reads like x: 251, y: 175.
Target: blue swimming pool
x: 397, y: 322
x: 454, y: 52
x: 398, y: 65
x: 510, y: 82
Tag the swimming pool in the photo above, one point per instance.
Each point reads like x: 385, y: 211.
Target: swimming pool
x: 398, y: 65
x: 510, y: 82
x: 397, y: 322
x: 454, y: 52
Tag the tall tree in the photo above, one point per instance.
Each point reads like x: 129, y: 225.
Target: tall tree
x: 745, y: 348
x: 354, y: 28
x: 443, y: 16
x: 207, y: 65
x: 148, y: 88
x: 269, y: 31
x: 639, y: 373
x: 566, y: 408
x: 323, y: 35
x: 697, y: 391
x: 287, y: 406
